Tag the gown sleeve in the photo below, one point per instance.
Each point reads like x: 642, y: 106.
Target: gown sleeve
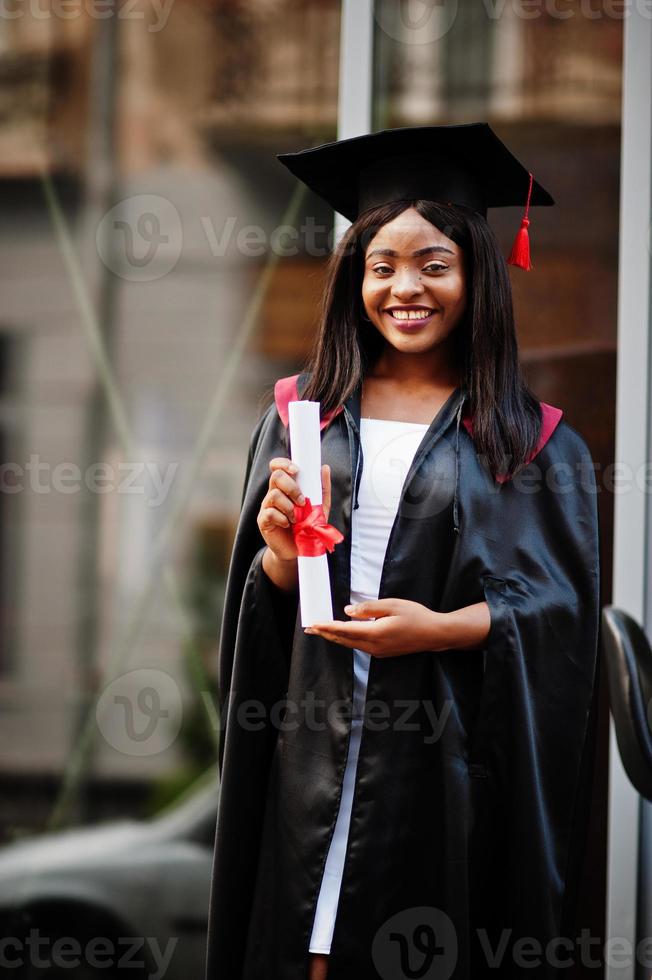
x: 533, y: 743
x: 253, y: 670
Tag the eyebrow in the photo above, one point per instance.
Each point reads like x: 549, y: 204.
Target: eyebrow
x: 419, y: 251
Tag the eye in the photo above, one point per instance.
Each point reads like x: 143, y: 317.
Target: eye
x: 435, y: 267
x: 383, y: 268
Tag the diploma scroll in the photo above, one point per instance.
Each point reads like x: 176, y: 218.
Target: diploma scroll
x: 313, y: 535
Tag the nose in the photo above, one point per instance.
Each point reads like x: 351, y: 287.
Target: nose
x: 406, y: 285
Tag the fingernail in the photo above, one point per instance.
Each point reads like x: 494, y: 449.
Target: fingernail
x: 308, y: 630
x: 301, y: 500
x: 292, y: 468
x: 349, y: 608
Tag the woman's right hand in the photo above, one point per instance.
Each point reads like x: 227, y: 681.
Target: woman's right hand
x: 276, y: 514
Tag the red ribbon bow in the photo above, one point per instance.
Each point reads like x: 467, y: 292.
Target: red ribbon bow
x: 313, y: 536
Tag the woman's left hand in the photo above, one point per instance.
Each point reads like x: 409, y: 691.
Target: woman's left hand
x: 400, y: 626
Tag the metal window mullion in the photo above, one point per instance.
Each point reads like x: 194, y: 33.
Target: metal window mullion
x: 355, y: 98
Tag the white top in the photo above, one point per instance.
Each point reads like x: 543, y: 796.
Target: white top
x: 388, y: 450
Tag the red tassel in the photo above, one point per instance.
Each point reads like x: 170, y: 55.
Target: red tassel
x: 520, y: 253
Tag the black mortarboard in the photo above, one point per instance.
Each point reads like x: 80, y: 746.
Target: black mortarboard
x: 463, y: 164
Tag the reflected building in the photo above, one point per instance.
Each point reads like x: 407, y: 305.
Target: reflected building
x: 150, y: 302
x: 147, y: 311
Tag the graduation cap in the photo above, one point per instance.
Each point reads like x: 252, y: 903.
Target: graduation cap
x: 462, y: 164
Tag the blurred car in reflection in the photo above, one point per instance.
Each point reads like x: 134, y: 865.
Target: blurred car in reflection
x: 124, y: 899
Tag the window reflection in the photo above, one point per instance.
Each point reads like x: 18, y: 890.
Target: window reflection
x: 144, y: 290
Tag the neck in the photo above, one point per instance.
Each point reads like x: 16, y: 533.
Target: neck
x: 432, y: 369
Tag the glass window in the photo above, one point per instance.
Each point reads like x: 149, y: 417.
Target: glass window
x: 150, y: 298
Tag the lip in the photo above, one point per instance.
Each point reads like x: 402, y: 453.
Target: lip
x: 410, y: 326
x: 410, y: 307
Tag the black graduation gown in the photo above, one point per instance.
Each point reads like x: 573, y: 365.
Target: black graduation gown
x: 470, y: 800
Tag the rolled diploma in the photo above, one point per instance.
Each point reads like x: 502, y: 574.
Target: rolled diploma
x: 305, y: 442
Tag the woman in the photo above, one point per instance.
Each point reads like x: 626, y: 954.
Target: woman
x: 404, y: 789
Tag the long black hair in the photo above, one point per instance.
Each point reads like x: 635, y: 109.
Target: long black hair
x: 507, y: 416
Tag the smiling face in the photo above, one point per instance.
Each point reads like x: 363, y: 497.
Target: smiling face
x: 414, y: 285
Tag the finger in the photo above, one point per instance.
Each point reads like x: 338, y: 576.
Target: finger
x: 371, y: 608
x: 271, y: 518
x: 354, y: 631
x: 278, y: 501
x: 326, y: 488
x: 283, y: 463
x: 281, y: 481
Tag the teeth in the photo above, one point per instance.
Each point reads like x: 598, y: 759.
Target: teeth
x: 410, y: 314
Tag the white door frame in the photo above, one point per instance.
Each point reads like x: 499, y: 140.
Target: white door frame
x: 632, y: 531
x: 355, y: 100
